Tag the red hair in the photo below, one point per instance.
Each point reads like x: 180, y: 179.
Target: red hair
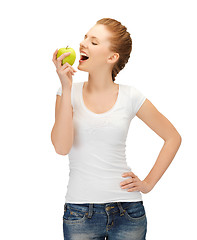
x: 121, y: 43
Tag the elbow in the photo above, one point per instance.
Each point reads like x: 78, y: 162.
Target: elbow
x: 175, y: 137
x: 60, y: 148
x: 61, y: 151
x: 178, y: 138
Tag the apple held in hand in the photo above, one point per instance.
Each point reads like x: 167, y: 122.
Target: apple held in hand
x: 70, y: 58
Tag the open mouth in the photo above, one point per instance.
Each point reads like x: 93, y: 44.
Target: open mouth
x: 83, y: 58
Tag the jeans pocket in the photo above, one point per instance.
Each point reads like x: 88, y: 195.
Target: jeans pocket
x: 73, y: 214
x: 135, y: 211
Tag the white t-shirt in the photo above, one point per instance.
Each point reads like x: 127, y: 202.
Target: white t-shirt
x: 97, y: 158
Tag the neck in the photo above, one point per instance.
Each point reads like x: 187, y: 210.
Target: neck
x: 100, y: 82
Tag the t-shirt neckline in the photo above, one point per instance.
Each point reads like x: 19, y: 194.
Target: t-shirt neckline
x: 99, y: 114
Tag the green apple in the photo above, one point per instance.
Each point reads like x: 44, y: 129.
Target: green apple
x: 70, y: 58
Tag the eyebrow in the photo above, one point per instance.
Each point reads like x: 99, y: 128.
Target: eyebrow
x: 92, y: 37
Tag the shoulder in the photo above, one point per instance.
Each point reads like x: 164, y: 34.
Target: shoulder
x: 125, y: 89
x: 134, y: 98
x: 131, y: 91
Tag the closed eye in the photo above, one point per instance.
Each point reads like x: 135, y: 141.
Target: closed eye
x: 94, y: 43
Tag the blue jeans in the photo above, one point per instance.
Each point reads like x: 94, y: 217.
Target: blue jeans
x: 112, y: 221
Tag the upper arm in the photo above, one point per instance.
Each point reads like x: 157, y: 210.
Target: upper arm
x: 156, y: 121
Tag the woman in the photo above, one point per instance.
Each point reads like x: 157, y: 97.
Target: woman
x: 92, y: 119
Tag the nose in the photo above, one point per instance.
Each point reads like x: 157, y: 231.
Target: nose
x: 82, y: 44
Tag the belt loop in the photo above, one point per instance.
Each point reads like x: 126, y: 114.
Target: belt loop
x: 65, y: 207
x: 90, y: 211
x: 122, y: 211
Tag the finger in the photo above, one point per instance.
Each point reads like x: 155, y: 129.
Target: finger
x: 60, y: 58
x: 130, y: 180
x: 129, y: 185
x: 55, y: 55
x: 132, y: 189
x: 69, y: 70
x: 68, y: 65
x: 132, y: 174
x: 126, y: 174
x: 65, y: 65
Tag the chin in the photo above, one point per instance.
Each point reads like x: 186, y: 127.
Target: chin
x: 81, y: 68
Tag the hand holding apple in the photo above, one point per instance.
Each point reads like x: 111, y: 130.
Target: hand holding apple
x: 64, y: 71
x: 69, y: 59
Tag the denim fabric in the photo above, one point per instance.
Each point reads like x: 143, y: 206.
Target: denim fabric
x: 112, y: 221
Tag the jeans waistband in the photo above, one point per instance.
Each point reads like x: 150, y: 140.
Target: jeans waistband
x: 101, y: 208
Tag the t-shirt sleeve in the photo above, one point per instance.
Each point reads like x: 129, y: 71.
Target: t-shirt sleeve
x: 137, y: 99
x: 59, y: 91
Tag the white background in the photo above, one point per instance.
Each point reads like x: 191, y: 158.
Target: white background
x: 162, y: 65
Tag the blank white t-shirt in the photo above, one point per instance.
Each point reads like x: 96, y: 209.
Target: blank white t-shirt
x: 97, y: 158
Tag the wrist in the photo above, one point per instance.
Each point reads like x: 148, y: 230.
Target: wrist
x: 151, y: 184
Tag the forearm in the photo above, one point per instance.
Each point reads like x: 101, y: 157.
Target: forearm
x: 164, y: 159
x: 62, y: 133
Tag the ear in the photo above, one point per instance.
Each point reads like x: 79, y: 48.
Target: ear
x: 114, y: 58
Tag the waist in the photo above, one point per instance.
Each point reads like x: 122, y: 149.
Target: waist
x: 88, y: 188
x: 103, y: 207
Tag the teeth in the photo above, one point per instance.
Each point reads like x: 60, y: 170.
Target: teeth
x: 83, y: 54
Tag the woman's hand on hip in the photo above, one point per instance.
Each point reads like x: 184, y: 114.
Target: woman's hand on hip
x: 135, y: 184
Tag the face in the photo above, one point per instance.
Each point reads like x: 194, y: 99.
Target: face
x: 96, y: 46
